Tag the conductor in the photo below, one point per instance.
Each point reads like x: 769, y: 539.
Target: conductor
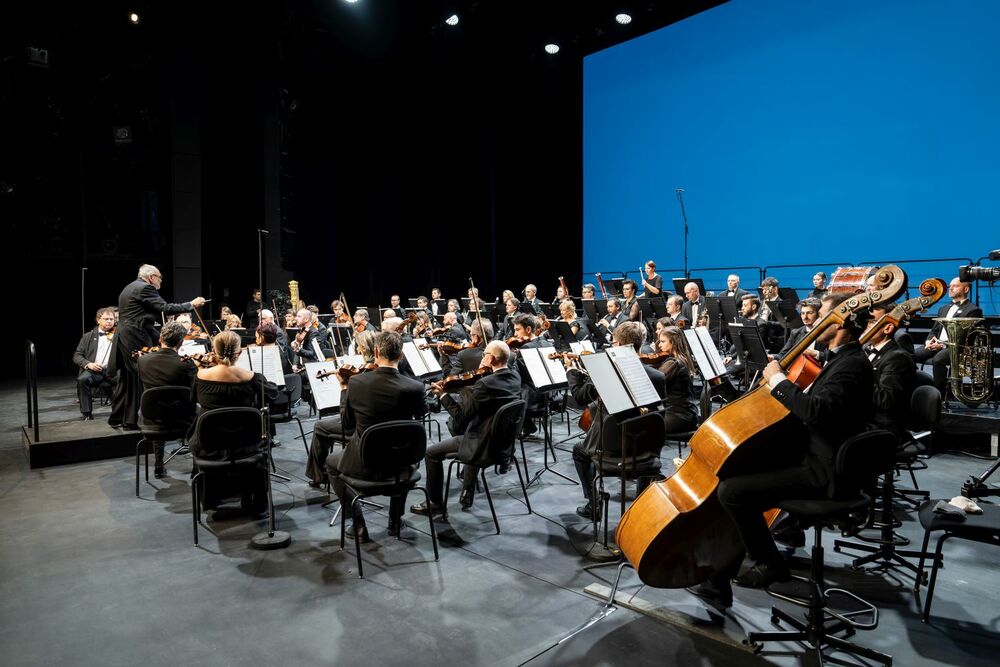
x: 139, y: 304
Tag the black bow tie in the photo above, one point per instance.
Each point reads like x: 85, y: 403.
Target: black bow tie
x: 957, y: 303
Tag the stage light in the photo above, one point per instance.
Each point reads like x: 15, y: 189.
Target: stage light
x: 350, y: 2
x: 133, y: 17
x: 623, y: 19
x: 452, y: 20
x: 551, y: 49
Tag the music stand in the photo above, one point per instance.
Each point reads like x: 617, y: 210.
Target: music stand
x: 545, y: 375
x: 562, y: 335
x: 659, y: 305
x: 614, y: 286
x: 594, y: 332
x: 750, y: 349
x: 788, y: 294
x: 645, y: 309
x: 679, y: 284
x: 526, y: 308
x: 549, y: 310
x: 714, y: 310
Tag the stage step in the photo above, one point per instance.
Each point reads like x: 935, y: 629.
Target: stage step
x: 61, y: 443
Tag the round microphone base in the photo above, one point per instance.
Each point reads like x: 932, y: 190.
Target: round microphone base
x: 603, y: 554
x: 266, y: 541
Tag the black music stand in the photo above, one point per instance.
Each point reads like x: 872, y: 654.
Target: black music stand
x: 614, y: 286
x: 750, y: 349
x: 545, y: 378
x: 594, y: 333
x: 646, y: 309
x: 659, y: 305
x: 714, y: 309
x: 788, y: 294
x: 785, y: 315
x: 562, y: 335
x: 526, y: 308
x: 679, y: 284
x: 549, y: 310
x: 340, y: 337
x: 595, y: 308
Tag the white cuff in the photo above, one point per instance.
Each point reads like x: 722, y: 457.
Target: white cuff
x: 776, y: 380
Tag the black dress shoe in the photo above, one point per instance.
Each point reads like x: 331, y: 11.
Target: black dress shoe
x: 314, y: 484
x: 359, y: 533
x: 87, y: 417
x: 159, y: 472
x: 130, y: 427
x: 719, y: 595
x: 763, y: 574
x: 423, y: 509
x: 586, y: 511
x: 465, y: 498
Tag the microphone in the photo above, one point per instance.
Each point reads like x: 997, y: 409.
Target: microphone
x: 263, y: 231
x: 679, y: 190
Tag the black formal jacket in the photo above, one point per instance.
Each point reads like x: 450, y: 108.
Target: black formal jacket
x: 737, y: 294
x: 905, y: 341
x: 86, y: 350
x: 472, y: 412
x: 165, y: 368
x: 139, y: 307
x: 967, y: 309
x: 837, y: 406
x: 895, y: 373
x: 372, y: 398
x: 585, y: 394
x: 465, y: 361
x: 793, y: 339
x: 688, y: 308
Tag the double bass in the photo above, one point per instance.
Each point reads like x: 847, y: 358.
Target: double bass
x: 676, y: 533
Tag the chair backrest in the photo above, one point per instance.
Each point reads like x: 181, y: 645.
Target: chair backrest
x: 923, y: 379
x: 228, y: 433
x: 390, y: 447
x: 860, y: 461
x: 643, y: 435
x: 506, y: 424
x: 925, y: 407
x: 167, y: 406
x: 293, y: 387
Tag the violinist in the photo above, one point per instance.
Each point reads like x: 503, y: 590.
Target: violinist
x: 424, y: 305
x: 471, y: 411
x: 421, y: 329
x: 329, y: 430
x: 165, y: 368
x: 838, y: 405
x: 361, y: 322
x: 371, y: 398
x: 510, y: 312
x: 652, y: 284
x: 630, y: 301
x: 583, y: 391
x: 340, y: 315
x: 526, y: 328
x: 475, y: 308
x: 679, y: 413
x: 266, y: 335
x: 453, y: 329
x: 301, y: 346
x: 468, y: 359
x: 93, y: 356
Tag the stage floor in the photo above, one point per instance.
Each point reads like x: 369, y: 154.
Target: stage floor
x: 90, y: 574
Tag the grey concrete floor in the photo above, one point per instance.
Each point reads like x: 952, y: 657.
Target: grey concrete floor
x: 90, y: 574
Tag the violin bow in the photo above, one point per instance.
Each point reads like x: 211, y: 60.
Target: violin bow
x: 211, y: 338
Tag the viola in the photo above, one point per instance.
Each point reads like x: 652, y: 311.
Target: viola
x: 440, y: 330
x: 343, y: 318
x: 360, y: 326
x: 207, y: 360
x: 450, y: 347
x: 453, y: 382
x: 408, y: 320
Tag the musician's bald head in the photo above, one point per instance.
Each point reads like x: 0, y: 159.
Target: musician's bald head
x: 692, y: 292
x: 500, y: 353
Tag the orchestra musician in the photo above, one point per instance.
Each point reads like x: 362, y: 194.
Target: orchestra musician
x: 251, y: 314
x: 454, y: 307
x: 837, y: 406
x: 694, y: 303
x: 165, y: 368
x: 224, y: 313
x: 675, y: 310
x: 469, y: 359
x: 819, y: 285
x: 225, y: 385
x: 424, y: 305
x: 233, y: 322
x: 526, y: 328
x: 583, y: 391
x: 94, y: 356
x: 475, y: 306
x: 900, y: 336
x: 808, y: 313
x: 301, y: 346
x: 678, y: 370
x: 361, y: 316
x: 396, y: 305
x: 471, y: 418
x: 330, y: 429
x: 567, y: 313
x: 454, y: 330
x: 652, y: 284
x: 511, y: 304
x: 614, y: 318
x: 530, y: 296
x: 371, y: 398
x: 769, y: 297
x: 422, y: 327
x: 267, y: 317
x: 266, y: 335
x: 435, y: 297
x: 895, y: 377
x: 340, y: 315
x: 588, y: 291
x: 934, y: 349
x: 630, y: 301
x: 139, y: 306
x: 733, y: 288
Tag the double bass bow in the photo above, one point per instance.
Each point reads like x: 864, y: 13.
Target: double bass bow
x: 676, y: 533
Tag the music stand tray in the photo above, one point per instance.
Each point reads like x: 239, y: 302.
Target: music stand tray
x: 679, y: 284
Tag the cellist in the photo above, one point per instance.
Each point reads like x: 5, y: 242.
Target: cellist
x: 837, y: 406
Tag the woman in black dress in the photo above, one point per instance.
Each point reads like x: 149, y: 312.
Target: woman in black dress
x: 679, y: 409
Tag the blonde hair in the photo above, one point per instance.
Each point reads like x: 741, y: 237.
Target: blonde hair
x: 227, y: 347
x: 366, y: 345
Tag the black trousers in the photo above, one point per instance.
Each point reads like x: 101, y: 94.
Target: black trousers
x: 940, y: 363
x: 128, y: 393
x: 326, y: 433
x: 745, y: 498
x: 434, y: 464
x: 347, y: 496
x: 86, y: 381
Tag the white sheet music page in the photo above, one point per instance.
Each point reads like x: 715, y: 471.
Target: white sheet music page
x: 711, y: 351
x: 355, y: 360
x: 317, y: 349
x: 698, y: 354
x: 267, y: 361
x: 244, y: 360
x: 609, y: 386
x: 326, y: 392
x: 536, y: 367
x: 582, y: 346
x: 634, y: 376
x: 557, y: 371
x: 429, y: 355
x: 412, y: 355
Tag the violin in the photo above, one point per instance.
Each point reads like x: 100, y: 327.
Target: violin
x: 453, y: 382
x: 144, y: 350
x: 346, y: 372
x: 450, y: 347
x: 440, y: 330
x: 654, y: 358
x: 343, y: 318
x: 206, y: 360
x: 407, y: 321
x: 515, y: 342
x: 360, y: 326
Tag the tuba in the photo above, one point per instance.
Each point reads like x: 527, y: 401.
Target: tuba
x: 970, y: 353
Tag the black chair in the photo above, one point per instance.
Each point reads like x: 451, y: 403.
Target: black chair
x: 859, y: 462
x: 925, y: 411
x: 391, y: 451
x: 504, y: 428
x: 229, y: 439
x: 984, y: 528
x: 282, y: 408
x: 166, y: 414
x: 642, y: 440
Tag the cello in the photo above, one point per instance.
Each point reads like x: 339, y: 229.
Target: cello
x: 676, y: 533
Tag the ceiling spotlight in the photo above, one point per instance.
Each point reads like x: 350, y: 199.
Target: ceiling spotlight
x: 452, y: 20
x: 350, y: 2
x: 551, y: 49
x: 623, y: 19
x: 133, y: 17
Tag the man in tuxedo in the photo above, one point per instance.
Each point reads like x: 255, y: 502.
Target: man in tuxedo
x: 456, y: 331
x: 769, y: 297
x: 139, y: 307
x: 165, y: 368
x: 530, y: 296
x: 895, y: 373
x: 469, y: 359
x: 372, y: 398
x: 614, y: 318
x: 675, y: 310
x: 94, y: 357
x: 267, y: 317
x: 302, y: 351
x: 934, y: 349
x: 507, y: 327
x: 837, y: 405
x: 733, y: 288
x: 471, y: 411
x: 900, y: 336
x: 694, y: 303
x: 809, y: 313
x: 582, y: 388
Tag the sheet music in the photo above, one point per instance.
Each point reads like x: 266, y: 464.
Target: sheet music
x: 582, y: 346
x: 326, y: 392
x: 430, y: 360
x: 317, y: 349
x: 265, y: 360
x: 609, y: 386
x: 244, y: 359
x: 700, y: 358
x: 536, y: 367
x: 355, y: 360
x: 190, y: 347
x: 711, y: 351
x: 412, y: 355
x: 634, y: 376
x: 556, y: 369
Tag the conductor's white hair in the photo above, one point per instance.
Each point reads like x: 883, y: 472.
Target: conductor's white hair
x: 147, y: 270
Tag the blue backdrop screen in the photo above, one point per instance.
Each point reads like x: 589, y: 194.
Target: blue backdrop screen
x: 801, y: 131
